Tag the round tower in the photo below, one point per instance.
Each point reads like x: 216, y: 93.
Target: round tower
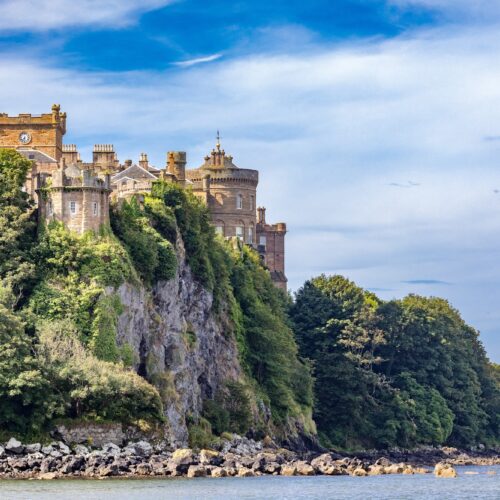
x: 230, y: 192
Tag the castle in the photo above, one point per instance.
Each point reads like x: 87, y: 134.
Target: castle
x: 78, y: 194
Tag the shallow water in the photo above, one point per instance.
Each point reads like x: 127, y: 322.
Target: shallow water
x: 481, y: 486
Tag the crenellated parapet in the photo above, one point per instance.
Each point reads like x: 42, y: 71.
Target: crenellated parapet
x: 42, y: 133
x: 74, y: 195
x: 77, y: 193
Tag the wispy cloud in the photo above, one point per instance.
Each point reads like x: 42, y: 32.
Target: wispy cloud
x: 409, y: 184
x: 42, y: 15
x: 366, y: 115
x: 425, y: 282
x: 199, y: 60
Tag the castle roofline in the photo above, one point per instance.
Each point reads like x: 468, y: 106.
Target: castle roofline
x: 133, y: 172
x: 35, y: 155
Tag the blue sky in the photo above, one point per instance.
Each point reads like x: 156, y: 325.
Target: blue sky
x: 375, y: 124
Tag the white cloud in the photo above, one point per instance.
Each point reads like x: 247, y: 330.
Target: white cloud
x: 329, y: 132
x: 41, y: 15
x: 199, y: 60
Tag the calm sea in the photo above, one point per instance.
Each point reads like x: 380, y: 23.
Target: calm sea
x: 481, y: 486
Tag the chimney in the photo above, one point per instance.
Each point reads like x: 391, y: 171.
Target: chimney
x: 261, y: 215
x: 143, y: 161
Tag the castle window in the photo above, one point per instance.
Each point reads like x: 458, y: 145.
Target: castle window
x: 95, y: 208
x: 49, y: 207
x: 239, y: 201
x: 252, y: 202
x: 240, y: 231
x: 72, y: 207
x: 250, y: 235
x: 262, y: 241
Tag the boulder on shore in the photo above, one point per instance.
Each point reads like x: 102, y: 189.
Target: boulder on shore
x: 14, y: 446
x: 444, y: 470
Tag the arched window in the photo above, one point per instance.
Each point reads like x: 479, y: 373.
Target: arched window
x: 240, y: 232
x: 239, y: 201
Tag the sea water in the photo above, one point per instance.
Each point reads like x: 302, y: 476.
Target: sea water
x: 398, y: 487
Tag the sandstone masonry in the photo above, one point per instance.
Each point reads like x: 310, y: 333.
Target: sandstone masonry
x: 78, y: 194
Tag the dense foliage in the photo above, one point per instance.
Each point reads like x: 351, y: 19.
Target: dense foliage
x: 402, y: 372
x: 60, y: 357
x: 58, y: 351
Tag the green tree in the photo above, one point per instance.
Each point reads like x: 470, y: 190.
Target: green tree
x: 27, y: 400
x: 17, y: 225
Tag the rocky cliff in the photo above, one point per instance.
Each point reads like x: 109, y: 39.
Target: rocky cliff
x: 180, y: 343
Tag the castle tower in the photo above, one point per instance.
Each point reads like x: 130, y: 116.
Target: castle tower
x: 176, y: 165
x: 70, y: 154
x: 230, y: 193
x: 40, y: 133
x: 104, y: 158
x: 76, y: 196
x: 271, y: 247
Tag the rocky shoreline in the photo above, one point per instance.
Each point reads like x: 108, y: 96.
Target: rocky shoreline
x: 239, y: 457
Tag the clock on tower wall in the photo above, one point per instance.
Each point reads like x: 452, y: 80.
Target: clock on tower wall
x: 24, y: 137
x: 41, y: 132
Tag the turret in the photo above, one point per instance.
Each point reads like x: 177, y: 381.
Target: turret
x: 176, y: 164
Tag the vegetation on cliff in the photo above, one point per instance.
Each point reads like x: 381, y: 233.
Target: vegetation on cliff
x: 60, y: 357
x: 403, y: 372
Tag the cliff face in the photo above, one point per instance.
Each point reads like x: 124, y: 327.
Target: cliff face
x: 180, y: 344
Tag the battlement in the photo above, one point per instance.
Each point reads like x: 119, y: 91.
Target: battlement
x: 69, y: 148
x: 55, y: 118
x: 104, y: 148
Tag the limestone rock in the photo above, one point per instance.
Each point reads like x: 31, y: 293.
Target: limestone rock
x: 376, y: 470
x: 2, y: 451
x: 80, y: 449
x: 288, y: 470
x: 444, y: 470
x: 14, y: 446
x: 322, y: 460
x: 63, y: 448
x: 142, y: 448
x: 359, y: 472
x: 108, y: 470
x: 48, y: 476
x: 144, y: 469
x: 209, y: 457
x: 218, y: 472
x: 183, y: 456
x: 32, y: 448
x: 244, y: 472
x: 305, y: 469
x: 196, y: 471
